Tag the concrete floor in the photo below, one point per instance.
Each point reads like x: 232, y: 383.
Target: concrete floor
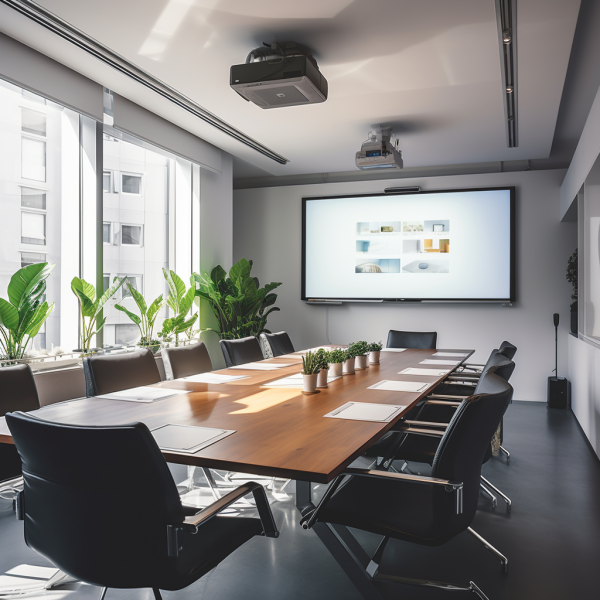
x: 552, y: 537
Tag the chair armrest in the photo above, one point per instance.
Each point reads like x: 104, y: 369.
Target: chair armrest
x: 461, y: 377
x: 422, y: 431
x: 427, y: 423
x: 473, y: 366
x: 192, y: 524
x: 443, y: 403
x: 446, y: 397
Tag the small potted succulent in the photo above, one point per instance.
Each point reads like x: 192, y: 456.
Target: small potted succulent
x: 374, y: 350
x: 323, y: 359
x: 310, y: 371
x: 350, y: 362
x: 360, y: 350
x: 336, y: 358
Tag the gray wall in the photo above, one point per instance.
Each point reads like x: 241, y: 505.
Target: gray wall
x: 267, y: 229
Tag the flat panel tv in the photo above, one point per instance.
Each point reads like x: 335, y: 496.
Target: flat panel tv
x: 448, y: 245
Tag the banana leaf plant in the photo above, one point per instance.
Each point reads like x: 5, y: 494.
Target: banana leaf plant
x: 25, y: 311
x: 180, y: 300
x: 240, y: 305
x: 145, y: 322
x: 90, y: 308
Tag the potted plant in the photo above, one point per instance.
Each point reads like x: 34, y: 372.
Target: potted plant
x: 23, y: 314
x: 323, y: 358
x: 180, y: 300
x: 145, y: 322
x: 572, y: 279
x: 90, y: 309
x: 374, y: 352
x: 360, y: 350
x: 336, y: 358
x: 310, y: 371
x: 350, y: 361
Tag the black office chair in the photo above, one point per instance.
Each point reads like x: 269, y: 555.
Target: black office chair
x: 423, y: 510
x: 506, y: 349
x: 239, y: 352
x: 186, y: 360
x: 17, y: 392
x: 105, y: 374
x: 425, y: 340
x: 73, y: 517
x: 276, y: 344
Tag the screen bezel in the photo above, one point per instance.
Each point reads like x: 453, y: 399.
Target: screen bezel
x: 512, y: 276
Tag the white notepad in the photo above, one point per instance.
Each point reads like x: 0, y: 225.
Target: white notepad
x: 400, y: 386
x: 256, y: 366
x: 187, y: 438
x: 439, y: 362
x: 393, y: 349
x: 142, y: 394
x: 425, y: 372
x: 291, y: 382
x: 457, y: 354
x: 213, y: 378
x: 366, y: 411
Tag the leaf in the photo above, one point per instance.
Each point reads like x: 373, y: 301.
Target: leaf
x: 85, y: 294
x: 25, y: 282
x: 218, y: 274
x: 100, y: 325
x: 181, y: 327
x: 176, y: 287
x: 131, y: 315
x: 187, y: 301
x: 108, y: 294
x: 9, y: 315
x: 241, y: 270
x: 139, y: 299
x: 38, y: 318
x: 154, y: 308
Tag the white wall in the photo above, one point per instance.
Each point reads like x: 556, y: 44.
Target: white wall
x: 267, y: 229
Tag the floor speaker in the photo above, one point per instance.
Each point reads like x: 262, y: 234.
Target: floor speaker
x: 559, y: 392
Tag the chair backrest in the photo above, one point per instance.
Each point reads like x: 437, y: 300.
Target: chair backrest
x: 97, y: 500
x: 186, y: 360
x: 507, y: 349
x: 412, y: 339
x: 276, y: 344
x: 105, y: 374
x: 500, y: 365
x: 239, y: 352
x: 466, y: 440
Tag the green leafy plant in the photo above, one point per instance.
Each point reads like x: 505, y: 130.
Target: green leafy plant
x: 337, y: 355
x: 572, y: 273
x: 359, y: 348
x: 23, y: 314
x: 240, y: 305
x: 310, y: 363
x: 180, y: 300
x: 323, y: 359
x: 147, y: 318
x: 375, y: 346
x: 90, y: 308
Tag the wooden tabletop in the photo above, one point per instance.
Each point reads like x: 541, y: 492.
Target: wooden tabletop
x: 280, y: 432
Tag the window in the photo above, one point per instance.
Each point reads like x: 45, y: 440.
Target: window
x: 107, y: 181
x: 131, y: 184
x: 126, y: 335
x: 33, y: 228
x: 33, y: 159
x: 135, y: 281
x: 31, y: 258
x: 33, y: 122
x: 31, y: 198
x: 131, y: 235
x: 107, y: 233
x: 105, y: 282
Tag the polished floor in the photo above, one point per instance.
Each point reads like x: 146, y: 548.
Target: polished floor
x: 551, y: 538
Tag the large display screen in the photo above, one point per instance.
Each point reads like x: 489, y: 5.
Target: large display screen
x: 443, y: 245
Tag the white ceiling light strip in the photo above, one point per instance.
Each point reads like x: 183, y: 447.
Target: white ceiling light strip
x: 50, y: 21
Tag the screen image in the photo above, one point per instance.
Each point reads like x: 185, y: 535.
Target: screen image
x: 443, y: 245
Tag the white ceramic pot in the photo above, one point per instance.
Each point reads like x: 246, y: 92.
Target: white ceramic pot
x: 310, y: 382
x: 322, y: 378
x: 362, y: 361
x: 374, y: 357
x: 349, y: 366
x: 336, y: 369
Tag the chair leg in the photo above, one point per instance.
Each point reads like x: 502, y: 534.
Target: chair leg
x: 491, y: 548
x: 505, y: 451
x: 156, y: 593
x: 499, y: 492
x: 102, y: 593
x: 449, y: 587
x: 489, y: 493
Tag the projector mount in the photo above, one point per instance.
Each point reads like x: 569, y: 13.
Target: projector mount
x: 379, y: 152
x: 276, y: 53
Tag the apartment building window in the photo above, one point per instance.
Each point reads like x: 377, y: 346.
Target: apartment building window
x: 107, y: 181
x: 105, y: 281
x: 32, y: 198
x: 33, y: 121
x: 107, y: 233
x: 32, y: 258
x: 131, y: 183
x: 33, y: 228
x: 135, y: 281
x: 33, y: 159
x: 131, y: 235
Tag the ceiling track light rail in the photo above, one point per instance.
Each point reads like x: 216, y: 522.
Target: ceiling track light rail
x: 60, y: 27
x: 506, y: 17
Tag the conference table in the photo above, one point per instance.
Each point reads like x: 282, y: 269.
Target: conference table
x: 279, y: 432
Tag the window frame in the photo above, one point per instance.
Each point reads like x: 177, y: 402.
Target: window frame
x: 38, y: 112
x: 110, y: 233
x: 40, y: 140
x: 35, y: 212
x: 140, y: 176
x: 141, y: 226
x: 111, y: 177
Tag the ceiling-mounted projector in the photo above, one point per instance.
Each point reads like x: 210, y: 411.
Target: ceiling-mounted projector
x: 378, y: 152
x: 277, y: 75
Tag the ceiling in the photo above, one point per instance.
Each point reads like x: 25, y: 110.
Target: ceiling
x: 431, y: 69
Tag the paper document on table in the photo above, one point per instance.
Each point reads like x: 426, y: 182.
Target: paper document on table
x: 366, y: 411
x: 312, y: 349
x: 439, y: 362
x: 257, y: 366
x: 214, y: 378
x: 293, y: 381
x: 425, y: 372
x: 187, y: 438
x: 400, y: 386
x: 457, y: 354
x: 142, y: 394
x: 393, y: 349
